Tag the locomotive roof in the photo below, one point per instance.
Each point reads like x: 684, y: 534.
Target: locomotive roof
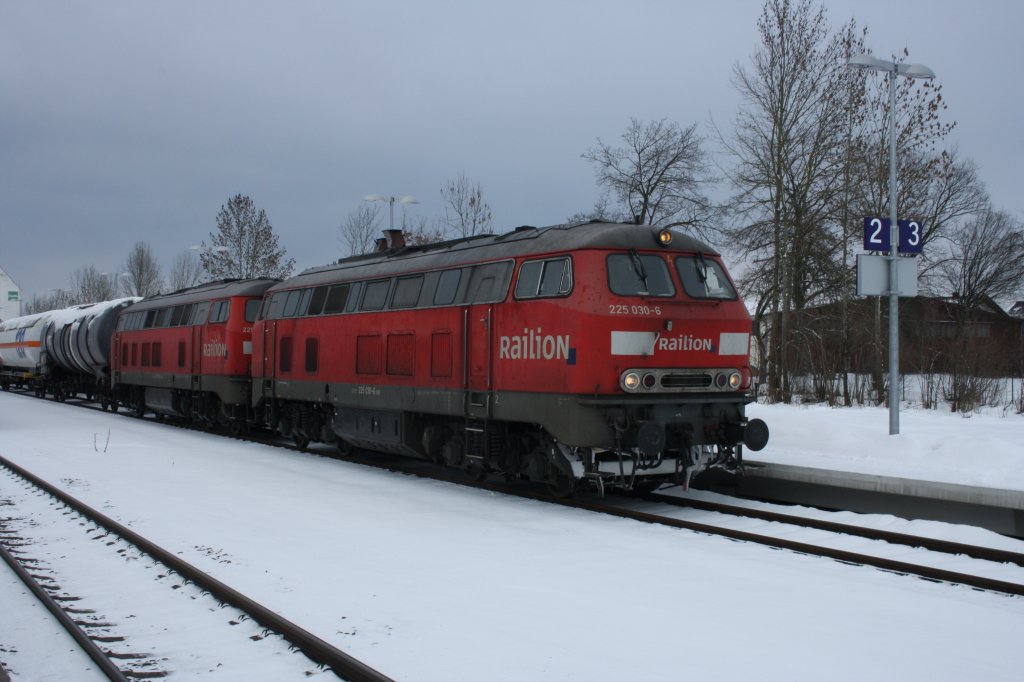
x: 522, y: 241
x: 208, y: 291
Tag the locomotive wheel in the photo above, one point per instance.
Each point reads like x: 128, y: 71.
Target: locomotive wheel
x: 300, y: 440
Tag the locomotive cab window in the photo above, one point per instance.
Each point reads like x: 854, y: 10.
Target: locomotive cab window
x: 447, y: 287
x: 545, y: 278
x: 704, y: 278
x: 251, y: 308
x: 221, y: 310
x: 291, y: 304
x: 199, y: 313
x: 634, y: 274
x: 275, y: 308
x: 488, y: 283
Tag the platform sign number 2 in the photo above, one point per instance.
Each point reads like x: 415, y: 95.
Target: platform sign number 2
x: 876, y: 235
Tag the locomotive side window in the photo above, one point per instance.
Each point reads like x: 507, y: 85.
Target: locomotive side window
x: 488, y: 283
x: 407, y: 291
x: 376, y: 294
x: 150, y: 319
x: 162, y: 318
x: 303, y: 302
x: 336, y: 299
x: 353, y: 297
x: 447, y: 287
x: 251, y: 308
x: 176, y: 315
x: 186, y: 314
x: 632, y: 274
x: 544, y: 278
x: 316, y: 301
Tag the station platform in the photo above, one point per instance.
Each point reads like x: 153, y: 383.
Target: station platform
x: 1000, y: 510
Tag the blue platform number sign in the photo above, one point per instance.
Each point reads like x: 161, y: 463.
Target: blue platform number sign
x: 876, y: 235
x: 910, y: 236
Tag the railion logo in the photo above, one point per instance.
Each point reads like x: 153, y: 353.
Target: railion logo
x: 534, y: 344
x: 217, y: 349
x: 685, y: 342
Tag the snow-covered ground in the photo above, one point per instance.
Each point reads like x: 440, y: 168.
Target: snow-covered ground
x: 984, y: 448
x: 429, y: 581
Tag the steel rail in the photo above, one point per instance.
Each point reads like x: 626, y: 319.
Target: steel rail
x: 316, y: 649
x: 91, y: 648
x: 933, y: 544
x: 925, y: 572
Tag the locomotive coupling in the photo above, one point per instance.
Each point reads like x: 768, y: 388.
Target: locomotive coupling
x: 648, y: 437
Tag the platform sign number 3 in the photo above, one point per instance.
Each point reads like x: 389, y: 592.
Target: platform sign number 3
x: 876, y: 235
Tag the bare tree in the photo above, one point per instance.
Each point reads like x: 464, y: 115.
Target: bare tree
x: 360, y: 228
x: 88, y: 285
x: 141, y: 275
x: 789, y: 151
x: 657, y: 176
x: 465, y: 211
x: 244, y: 245
x: 987, y: 259
x: 54, y: 300
x: 186, y: 271
x: 422, y: 231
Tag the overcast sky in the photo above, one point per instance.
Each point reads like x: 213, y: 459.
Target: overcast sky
x: 126, y: 121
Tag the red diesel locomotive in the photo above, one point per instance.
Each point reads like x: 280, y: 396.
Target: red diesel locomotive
x: 188, y: 353
x: 615, y: 354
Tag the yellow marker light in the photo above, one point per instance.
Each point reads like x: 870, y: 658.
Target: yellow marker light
x: 664, y: 237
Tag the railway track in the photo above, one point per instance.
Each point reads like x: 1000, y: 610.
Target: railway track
x: 113, y: 641
x: 627, y: 508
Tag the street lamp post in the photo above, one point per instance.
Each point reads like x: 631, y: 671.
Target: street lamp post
x: 391, y: 203
x: 869, y: 63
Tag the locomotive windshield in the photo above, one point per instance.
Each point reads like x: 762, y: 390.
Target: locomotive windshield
x: 703, y: 278
x: 634, y: 274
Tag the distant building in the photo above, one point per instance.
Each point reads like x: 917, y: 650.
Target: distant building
x: 10, y: 297
x: 1017, y: 310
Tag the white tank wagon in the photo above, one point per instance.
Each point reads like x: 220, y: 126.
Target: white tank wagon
x: 64, y: 352
x: 20, y: 349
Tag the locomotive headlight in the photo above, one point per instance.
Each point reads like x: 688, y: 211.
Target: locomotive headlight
x: 735, y: 380
x: 664, y: 237
x: 631, y: 381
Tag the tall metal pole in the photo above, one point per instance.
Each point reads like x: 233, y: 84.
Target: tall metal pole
x: 894, y: 298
